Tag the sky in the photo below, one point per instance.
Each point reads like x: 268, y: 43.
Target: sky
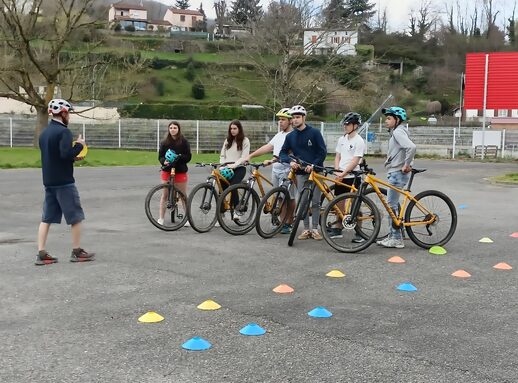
x: 397, y: 10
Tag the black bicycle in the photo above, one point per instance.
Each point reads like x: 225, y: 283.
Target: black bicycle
x: 166, y: 205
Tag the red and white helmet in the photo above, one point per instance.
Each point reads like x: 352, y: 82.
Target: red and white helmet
x: 58, y: 105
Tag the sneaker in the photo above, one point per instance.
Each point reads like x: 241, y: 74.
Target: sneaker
x: 306, y: 234
x: 80, y: 255
x: 391, y: 243
x: 315, y: 234
x: 357, y: 239
x: 44, y: 258
x: 286, y: 229
x: 335, y: 232
x: 160, y: 221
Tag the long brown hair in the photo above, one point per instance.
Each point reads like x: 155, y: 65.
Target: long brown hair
x: 239, y: 138
x: 168, y: 139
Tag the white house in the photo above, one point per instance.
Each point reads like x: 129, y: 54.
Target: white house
x: 326, y: 42
x: 182, y: 19
x: 128, y: 14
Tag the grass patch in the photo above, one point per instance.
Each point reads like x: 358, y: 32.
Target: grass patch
x: 510, y: 178
x: 13, y: 158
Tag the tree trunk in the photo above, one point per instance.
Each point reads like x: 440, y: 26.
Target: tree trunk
x: 41, y: 123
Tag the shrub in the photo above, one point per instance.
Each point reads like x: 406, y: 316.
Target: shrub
x: 129, y: 28
x: 198, y: 90
x: 190, y: 73
x: 117, y: 27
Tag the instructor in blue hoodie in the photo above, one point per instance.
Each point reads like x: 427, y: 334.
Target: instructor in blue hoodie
x: 306, y: 143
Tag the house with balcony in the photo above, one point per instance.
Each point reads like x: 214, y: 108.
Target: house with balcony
x: 330, y: 42
x: 183, y: 19
x: 134, y: 15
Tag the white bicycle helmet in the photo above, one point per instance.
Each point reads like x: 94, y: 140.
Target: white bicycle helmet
x: 298, y: 109
x: 58, y: 105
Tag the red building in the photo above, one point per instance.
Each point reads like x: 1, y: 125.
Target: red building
x: 502, y: 86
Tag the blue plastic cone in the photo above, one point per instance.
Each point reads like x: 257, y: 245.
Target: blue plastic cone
x: 196, y: 344
x: 252, y: 329
x: 463, y: 206
x: 407, y: 287
x: 320, y: 312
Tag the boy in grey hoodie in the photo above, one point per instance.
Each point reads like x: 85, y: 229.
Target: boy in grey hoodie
x: 400, y: 156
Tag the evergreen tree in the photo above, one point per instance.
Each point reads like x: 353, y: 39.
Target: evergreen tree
x: 246, y: 12
x: 358, y: 12
x: 511, y: 31
x: 182, y: 4
x: 333, y: 13
x: 203, y: 24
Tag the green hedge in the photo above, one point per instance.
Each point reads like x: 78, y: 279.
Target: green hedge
x: 192, y: 112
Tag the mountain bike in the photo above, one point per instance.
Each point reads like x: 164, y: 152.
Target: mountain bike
x: 429, y: 218
x: 237, y: 205
x: 169, y: 202
x: 202, y: 201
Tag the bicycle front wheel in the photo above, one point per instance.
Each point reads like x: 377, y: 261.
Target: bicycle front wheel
x: 169, y: 202
x: 201, y: 207
x: 346, y: 233
x: 300, y: 213
x: 272, y: 212
x: 237, y: 208
x: 434, y: 206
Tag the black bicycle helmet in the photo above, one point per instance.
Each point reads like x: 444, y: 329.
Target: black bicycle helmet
x: 351, y: 118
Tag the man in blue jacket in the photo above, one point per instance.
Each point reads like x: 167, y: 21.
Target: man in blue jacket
x: 306, y: 143
x: 61, y: 196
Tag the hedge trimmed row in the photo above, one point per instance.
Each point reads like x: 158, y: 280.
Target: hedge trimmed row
x: 192, y: 112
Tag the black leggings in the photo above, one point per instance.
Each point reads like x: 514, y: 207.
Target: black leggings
x: 239, y: 174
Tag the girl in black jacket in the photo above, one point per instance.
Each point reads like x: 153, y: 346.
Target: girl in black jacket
x: 174, y: 140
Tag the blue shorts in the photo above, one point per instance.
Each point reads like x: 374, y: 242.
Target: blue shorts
x: 62, y: 201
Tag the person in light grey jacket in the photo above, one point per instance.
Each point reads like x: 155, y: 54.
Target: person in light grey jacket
x: 400, y: 156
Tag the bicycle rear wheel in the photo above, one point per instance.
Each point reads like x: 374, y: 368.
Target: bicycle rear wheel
x: 350, y: 234
x: 431, y: 204
x: 201, y: 207
x: 237, y: 208
x: 269, y: 220
x: 300, y: 212
x: 174, y: 203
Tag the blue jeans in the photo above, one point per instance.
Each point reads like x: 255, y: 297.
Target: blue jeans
x: 399, y: 180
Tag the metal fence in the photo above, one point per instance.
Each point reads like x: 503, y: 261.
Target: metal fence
x: 208, y: 136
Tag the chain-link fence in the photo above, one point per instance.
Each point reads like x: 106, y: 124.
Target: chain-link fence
x: 208, y: 136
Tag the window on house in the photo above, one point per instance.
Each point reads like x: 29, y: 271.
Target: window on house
x: 122, y: 13
x: 314, y: 39
x: 502, y: 112
x: 336, y: 40
x: 193, y: 19
x: 182, y: 17
x: 514, y: 113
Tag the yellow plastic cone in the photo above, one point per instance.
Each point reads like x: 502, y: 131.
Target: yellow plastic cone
x: 437, y: 250
x: 396, y: 259
x: 283, y: 289
x: 461, y: 274
x: 209, y: 305
x: 335, y: 274
x: 486, y: 240
x: 502, y: 266
x: 151, y: 317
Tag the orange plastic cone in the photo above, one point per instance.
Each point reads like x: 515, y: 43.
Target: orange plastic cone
x: 283, y: 289
x: 461, y: 274
x: 514, y: 235
x: 396, y: 259
x: 502, y: 266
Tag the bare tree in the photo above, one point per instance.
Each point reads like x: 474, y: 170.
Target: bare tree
x: 221, y: 11
x: 490, y: 15
x: 37, y: 38
x: 277, y: 57
x: 422, y: 20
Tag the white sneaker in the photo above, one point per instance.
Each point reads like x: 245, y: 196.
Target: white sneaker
x: 391, y: 243
x: 160, y: 221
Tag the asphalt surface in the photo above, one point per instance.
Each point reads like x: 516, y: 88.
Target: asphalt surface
x: 78, y: 322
